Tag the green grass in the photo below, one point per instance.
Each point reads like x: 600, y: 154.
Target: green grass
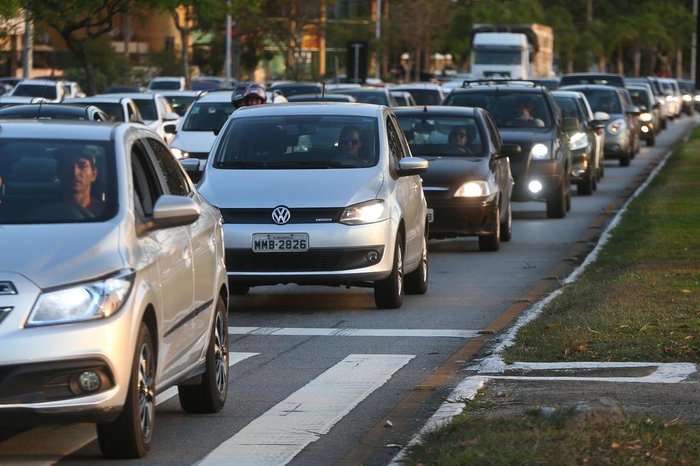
x: 640, y: 300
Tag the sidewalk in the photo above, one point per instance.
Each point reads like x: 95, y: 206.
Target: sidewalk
x: 669, y: 392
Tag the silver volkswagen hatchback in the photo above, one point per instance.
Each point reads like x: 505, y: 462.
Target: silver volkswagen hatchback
x: 323, y: 194
x: 112, y: 281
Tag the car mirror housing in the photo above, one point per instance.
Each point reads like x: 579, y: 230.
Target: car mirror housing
x: 633, y: 110
x: 570, y: 124
x: 596, y: 124
x: 412, y: 166
x: 170, y: 128
x: 601, y: 116
x: 509, y: 150
x: 174, y: 211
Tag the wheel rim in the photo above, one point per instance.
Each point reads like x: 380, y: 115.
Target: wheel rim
x: 399, y: 270
x: 424, y: 261
x: 146, y: 390
x: 221, y: 354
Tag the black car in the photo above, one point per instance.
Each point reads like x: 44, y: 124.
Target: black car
x: 294, y: 88
x: 53, y: 112
x: 606, y: 79
x: 527, y: 115
x: 585, y: 138
x: 468, y: 184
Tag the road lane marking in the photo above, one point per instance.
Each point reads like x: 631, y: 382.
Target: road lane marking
x: 58, y: 441
x: 278, y: 435
x: 352, y: 332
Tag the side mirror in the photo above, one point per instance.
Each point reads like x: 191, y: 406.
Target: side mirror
x: 170, y: 128
x: 658, y: 104
x: 412, y: 166
x: 570, y: 124
x: 170, y: 116
x: 596, y: 124
x: 173, y: 211
x: 633, y: 110
x: 509, y: 150
x: 601, y: 116
x: 643, y: 108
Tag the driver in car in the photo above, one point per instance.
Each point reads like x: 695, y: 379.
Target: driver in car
x: 77, y: 173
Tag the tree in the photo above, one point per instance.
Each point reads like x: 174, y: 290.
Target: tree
x: 79, y: 23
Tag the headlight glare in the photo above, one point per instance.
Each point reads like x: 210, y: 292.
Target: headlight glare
x: 179, y: 153
x: 365, y: 212
x: 87, y: 301
x: 539, y: 152
x: 645, y: 117
x: 616, y: 126
x: 473, y: 189
x: 578, y: 141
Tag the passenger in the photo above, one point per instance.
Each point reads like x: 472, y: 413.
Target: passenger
x: 350, y: 142
x: 254, y: 95
x: 526, y: 108
x: 77, y: 173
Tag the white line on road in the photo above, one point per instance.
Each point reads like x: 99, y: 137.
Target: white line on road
x: 287, y: 428
x: 353, y: 332
x: 53, y: 443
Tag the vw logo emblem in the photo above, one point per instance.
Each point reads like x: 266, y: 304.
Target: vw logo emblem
x: 281, y: 215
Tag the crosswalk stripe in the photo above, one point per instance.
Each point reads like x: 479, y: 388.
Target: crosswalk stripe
x: 353, y: 332
x: 278, y: 435
x: 57, y: 441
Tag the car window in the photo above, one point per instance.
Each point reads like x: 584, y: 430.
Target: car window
x: 172, y: 173
x: 57, y: 181
x: 603, y: 100
x: 147, y: 108
x: 395, y: 149
x: 207, y: 116
x: 298, y: 142
x: 35, y: 90
x: 569, y: 107
x: 180, y: 103
x: 504, y: 107
x: 493, y: 131
x: 443, y: 135
x: 147, y: 188
x: 113, y: 109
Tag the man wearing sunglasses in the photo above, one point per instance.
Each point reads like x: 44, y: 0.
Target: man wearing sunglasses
x: 350, y: 143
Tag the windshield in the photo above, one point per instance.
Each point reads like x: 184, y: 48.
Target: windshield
x: 207, y: 116
x: 509, y: 109
x: 180, y: 103
x: 569, y: 107
x: 640, y: 97
x: 451, y: 136
x: 147, y: 109
x: 299, y: 142
x: 497, y: 57
x: 43, y: 181
x: 35, y: 90
x: 603, y: 101
x: 426, y: 96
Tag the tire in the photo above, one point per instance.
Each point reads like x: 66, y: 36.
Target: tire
x: 238, y: 289
x: 586, y: 187
x: 602, y: 170
x: 130, y: 435
x: 417, y: 281
x: 507, y: 225
x: 651, y: 141
x: 492, y: 242
x: 625, y: 160
x: 209, y: 396
x: 556, y: 203
x: 388, y: 293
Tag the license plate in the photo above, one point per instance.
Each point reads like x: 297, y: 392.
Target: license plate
x: 275, y: 242
x: 431, y: 215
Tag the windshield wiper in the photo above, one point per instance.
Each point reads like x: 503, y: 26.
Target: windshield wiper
x: 240, y: 163
x: 309, y: 164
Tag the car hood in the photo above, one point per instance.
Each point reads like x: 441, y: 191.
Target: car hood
x: 194, y: 141
x: 56, y: 254
x: 445, y: 171
x: 292, y: 188
x: 526, y: 137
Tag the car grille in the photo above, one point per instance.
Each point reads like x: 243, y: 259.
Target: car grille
x: 318, y: 260
x: 264, y: 216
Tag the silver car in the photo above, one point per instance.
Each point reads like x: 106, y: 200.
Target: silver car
x: 319, y: 194
x: 112, y: 284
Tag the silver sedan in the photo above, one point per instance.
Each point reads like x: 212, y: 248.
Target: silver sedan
x: 112, y: 285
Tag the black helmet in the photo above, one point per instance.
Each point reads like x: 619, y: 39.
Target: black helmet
x: 256, y: 90
x: 237, y: 97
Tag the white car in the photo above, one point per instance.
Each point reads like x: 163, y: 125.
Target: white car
x: 112, y: 285
x: 167, y: 83
x: 35, y: 90
x: 120, y: 109
x: 156, y: 113
x: 200, y: 125
x: 319, y: 194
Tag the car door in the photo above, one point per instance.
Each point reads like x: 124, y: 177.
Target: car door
x: 203, y: 240
x: 409, y: 191
x: 170, y: 249
x: 500, y: 166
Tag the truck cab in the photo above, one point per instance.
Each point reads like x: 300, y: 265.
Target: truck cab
x: 500, y: 55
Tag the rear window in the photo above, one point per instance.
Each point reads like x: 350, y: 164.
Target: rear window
x: 603, y: 101
x: 208, y: 116
x: 607, y: 80
x: 165, y: 85
x: 35, y: 90
x: 448, y: 136
x: 504, y: 107
x: 426, y: 96
x: 45, y: 181
x: 299, y: 142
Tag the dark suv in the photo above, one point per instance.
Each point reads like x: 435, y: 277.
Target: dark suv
x: 527, y: 115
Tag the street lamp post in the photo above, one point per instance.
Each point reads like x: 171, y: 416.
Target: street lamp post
x: 229, y: 27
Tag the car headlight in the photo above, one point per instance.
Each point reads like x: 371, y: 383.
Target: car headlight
x: 87, y: 301
x: 645, y: 117
x: 616, y: 126
x: 364, y: 212
x: 578, y: 141
x: 539, y: 152
x: 179, y: 153
x: 473, y: 189
x: 687, y: 98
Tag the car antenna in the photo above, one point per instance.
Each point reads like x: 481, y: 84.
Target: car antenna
x: 323, y: 91
x: 425, y: 107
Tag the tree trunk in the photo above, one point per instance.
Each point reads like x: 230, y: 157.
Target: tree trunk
x: 184, y: 38
x: 679, y: 64
x: 637, y: 60
x: 602, y: 63
x: 620, y: 62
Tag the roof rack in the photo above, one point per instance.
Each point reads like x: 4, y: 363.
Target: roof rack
x: 499, y: 82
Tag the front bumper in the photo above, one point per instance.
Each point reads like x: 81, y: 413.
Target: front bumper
x: 338, y: 254
x: 616, y: 145
x: 581, y: 165
x: 549, y: 174
x: 462, y: 216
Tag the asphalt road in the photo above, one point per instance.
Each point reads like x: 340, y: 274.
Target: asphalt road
x: 319, y: 371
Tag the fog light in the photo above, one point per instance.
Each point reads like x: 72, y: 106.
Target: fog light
x: 89, y: 381
x: 645, y: 129
x: 534, y: 186
x: 578, y: 171
x: 372, y: 256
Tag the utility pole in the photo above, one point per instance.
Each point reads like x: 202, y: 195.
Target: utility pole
x: 229, y: 27
x: 694, y: 62
x: 322, y: 42
x: 28, y: 49
x: 378, y: 37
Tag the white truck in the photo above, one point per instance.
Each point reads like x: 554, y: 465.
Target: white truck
x: 517, y: 51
